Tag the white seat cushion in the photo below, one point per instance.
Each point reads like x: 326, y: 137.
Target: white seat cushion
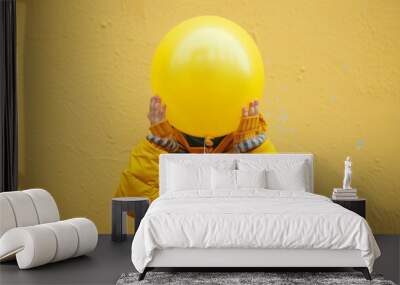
x: 33, y: 246
x: 67, y: 239
x: 87, y: 235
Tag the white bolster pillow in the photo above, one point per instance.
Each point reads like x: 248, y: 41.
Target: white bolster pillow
x: 40, y: 244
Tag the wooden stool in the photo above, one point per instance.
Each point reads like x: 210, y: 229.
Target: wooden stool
x: 120, y: 207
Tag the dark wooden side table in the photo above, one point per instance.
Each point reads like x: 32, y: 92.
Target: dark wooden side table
x: 357, y: 205
x: 120, y: 207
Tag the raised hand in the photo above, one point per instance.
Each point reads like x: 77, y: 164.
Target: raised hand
x: 250, y: 133
x: 249, y: 123
x: 252, y: 109
x: 157, y: 110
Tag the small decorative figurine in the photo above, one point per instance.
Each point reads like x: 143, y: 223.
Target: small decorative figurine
x: 347, y: 174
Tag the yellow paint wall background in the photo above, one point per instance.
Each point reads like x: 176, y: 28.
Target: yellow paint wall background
x: 332, y: 88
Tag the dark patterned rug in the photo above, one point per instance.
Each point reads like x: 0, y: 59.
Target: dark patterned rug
x: 269, y: 278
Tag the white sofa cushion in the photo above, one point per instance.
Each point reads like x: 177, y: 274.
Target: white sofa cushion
x: 45, y: 206
x: 7, y: 220
x: 23, y: 208
x: 32, y: 246
x: 87, y: 233
x: 26, y: 208
x: 40, y: 244
x: 67, y: 240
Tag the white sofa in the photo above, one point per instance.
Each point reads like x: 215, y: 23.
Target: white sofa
x: 31, y: 230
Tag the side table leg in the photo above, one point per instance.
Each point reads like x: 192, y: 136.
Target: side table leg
x: 118, y: 222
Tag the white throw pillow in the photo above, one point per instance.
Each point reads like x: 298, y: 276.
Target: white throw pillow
x: 289, y: 179
x: 181, y: 177
x: 251, y: 178
x: 281, y: 174
x: 203, y: 160
x: 223, y: 179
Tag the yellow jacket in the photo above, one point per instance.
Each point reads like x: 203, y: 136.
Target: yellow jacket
x: 141, y: 178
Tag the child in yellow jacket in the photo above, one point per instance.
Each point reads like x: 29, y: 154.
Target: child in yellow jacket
x: 141, y: 178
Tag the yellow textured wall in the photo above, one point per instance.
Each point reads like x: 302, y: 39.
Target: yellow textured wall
x: 332, y: 88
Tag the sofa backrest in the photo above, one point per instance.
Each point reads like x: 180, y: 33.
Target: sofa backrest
x: 233, y: 160
x: 26, y: 208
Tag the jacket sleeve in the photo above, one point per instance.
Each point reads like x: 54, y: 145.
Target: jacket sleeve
x: 141, y: 178
x: 251, y: 137
x: 265, y: 147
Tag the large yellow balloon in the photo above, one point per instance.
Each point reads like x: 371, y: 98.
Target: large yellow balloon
x: 205, y: 70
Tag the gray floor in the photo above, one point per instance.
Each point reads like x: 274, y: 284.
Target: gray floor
x: 110, y: 260
x: 103, y: 266
x: 389, y: 262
